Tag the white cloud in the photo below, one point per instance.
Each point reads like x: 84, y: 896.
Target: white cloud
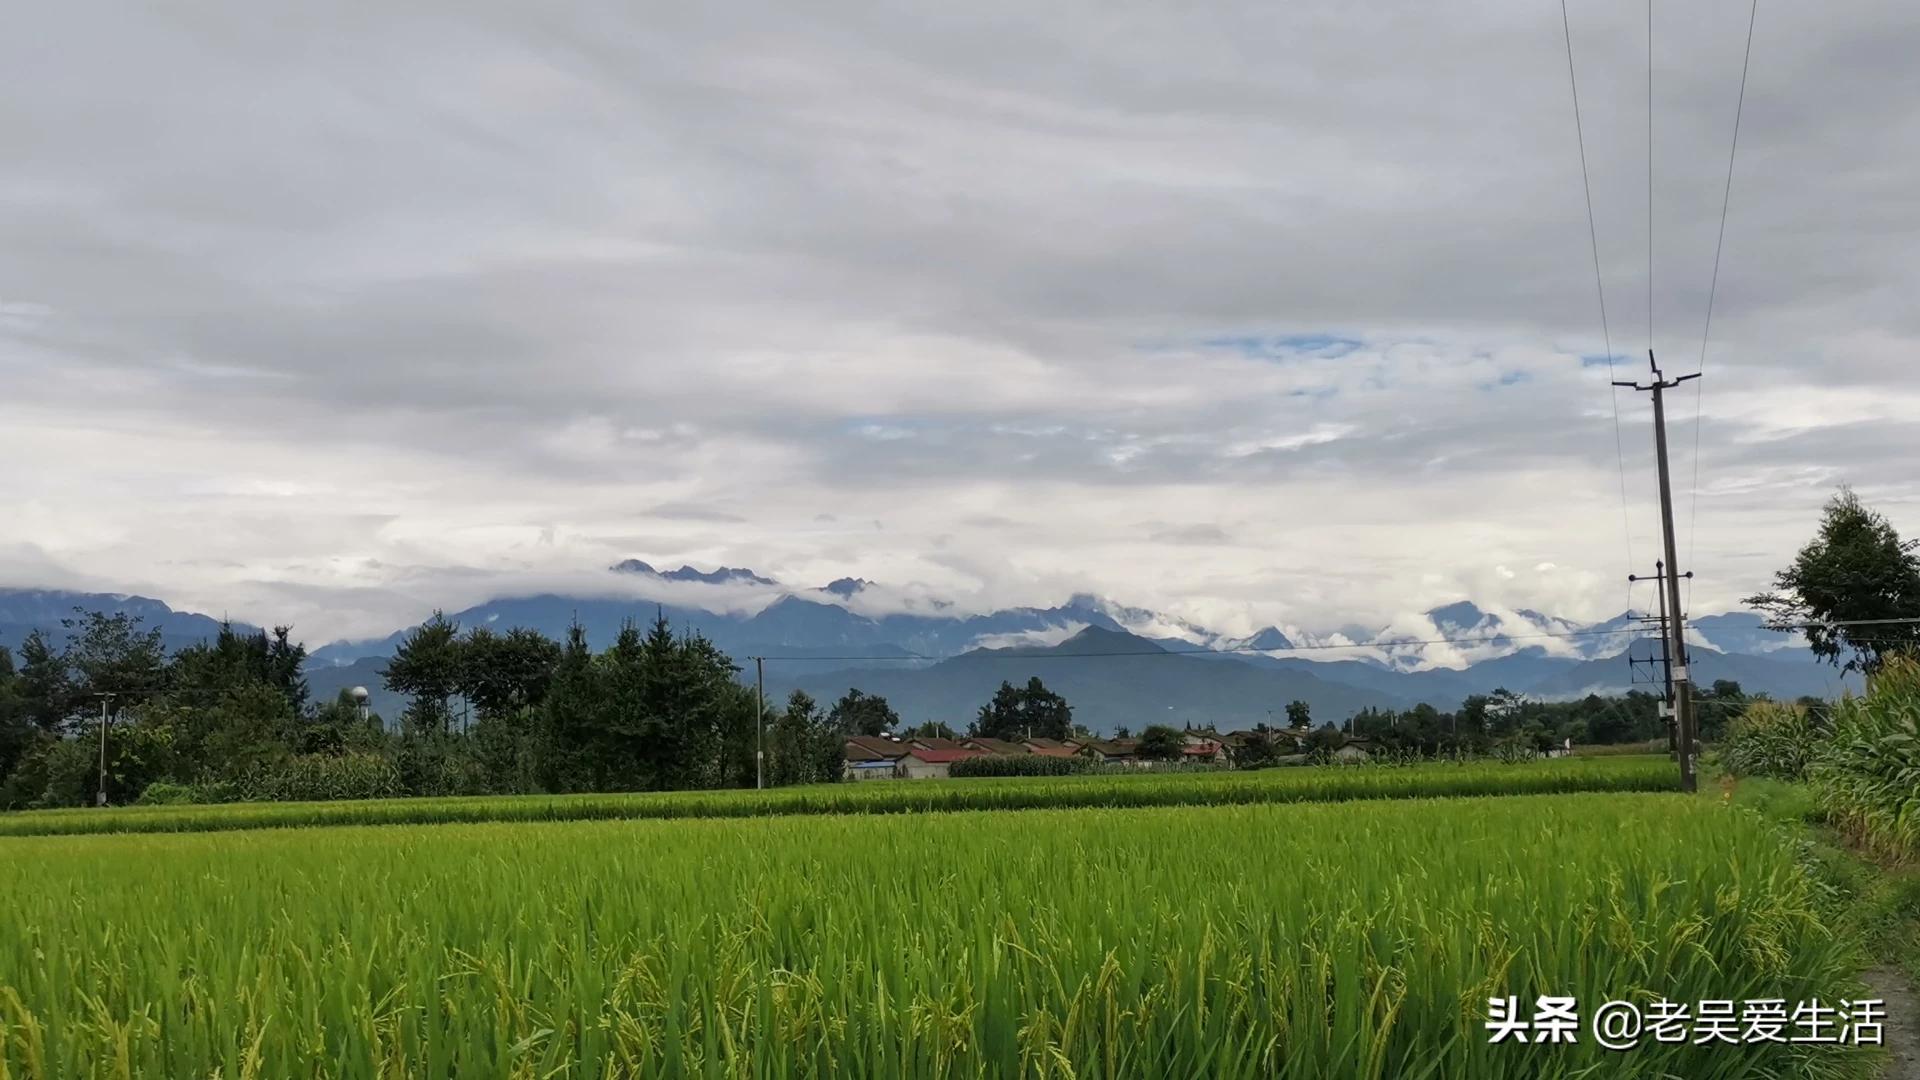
x: 1063, y: 299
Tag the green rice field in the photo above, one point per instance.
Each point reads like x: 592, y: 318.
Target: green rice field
x: 1360, y: 939
x: 1331, y: 784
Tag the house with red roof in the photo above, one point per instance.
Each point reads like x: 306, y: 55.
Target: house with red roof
x: 932, y: 763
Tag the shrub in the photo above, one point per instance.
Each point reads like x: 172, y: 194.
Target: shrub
x: 1021, y: 765
x: 167, y: 793
x: 1771, y: 738
x: 316, y: 777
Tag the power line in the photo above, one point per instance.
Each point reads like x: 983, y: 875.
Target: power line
x: 1606, y: 333
x: 1649, y: 176
x: 1706, y: 330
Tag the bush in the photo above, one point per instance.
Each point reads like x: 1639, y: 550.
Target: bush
x: 166, y: 793
x: 1868, y: 775
x: 316, y: 777
x: 1021, y: 765
x: 1772, y: 739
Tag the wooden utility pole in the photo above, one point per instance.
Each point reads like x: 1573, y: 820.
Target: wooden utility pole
x: 100, y: 798
x: 760, y: 722
x: 1677, y: 621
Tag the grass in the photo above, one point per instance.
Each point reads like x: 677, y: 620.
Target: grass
x: 1357, y: 941
x: 1872, y: 897
x: 1326, y: 784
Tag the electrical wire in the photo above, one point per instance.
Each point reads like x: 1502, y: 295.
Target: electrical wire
x: 1600, y: 288
x: 1713, y: 287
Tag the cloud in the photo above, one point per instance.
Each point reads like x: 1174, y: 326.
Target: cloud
x: 391, y: 305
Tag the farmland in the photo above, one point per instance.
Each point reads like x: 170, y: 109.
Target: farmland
x: 1354, y: 940
x: 1620, y: 774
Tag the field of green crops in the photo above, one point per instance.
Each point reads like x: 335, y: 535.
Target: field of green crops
x: 1330, y: 784
x: 1359, y: 939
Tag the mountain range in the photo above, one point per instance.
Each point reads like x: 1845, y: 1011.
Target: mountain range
x: 1119, y: 665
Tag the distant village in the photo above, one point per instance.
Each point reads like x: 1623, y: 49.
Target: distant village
x: 891, y: 757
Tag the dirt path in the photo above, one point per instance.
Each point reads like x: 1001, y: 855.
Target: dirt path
x: 1902, y: 1031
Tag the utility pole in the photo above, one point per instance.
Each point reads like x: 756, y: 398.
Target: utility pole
x: 100, y: 798
x: 1677, y: 620
x: 760, y: 722
x: 1665, y: 660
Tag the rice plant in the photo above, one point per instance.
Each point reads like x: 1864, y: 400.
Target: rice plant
x: 904, y: 796
x: 1360, y: 940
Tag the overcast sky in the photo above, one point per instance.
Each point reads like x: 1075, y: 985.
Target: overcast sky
x: 1262, y: 313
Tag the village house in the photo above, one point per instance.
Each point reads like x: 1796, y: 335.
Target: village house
x: 872, y: 757
x: 995, y: 746
x: 1112, y: 751
x: 925, y: 763
x: 1052, y: 747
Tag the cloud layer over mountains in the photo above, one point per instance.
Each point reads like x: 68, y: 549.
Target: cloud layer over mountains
x: 1256, y: 315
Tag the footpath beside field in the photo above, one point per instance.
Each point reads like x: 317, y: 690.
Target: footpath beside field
x: 1282, y: 785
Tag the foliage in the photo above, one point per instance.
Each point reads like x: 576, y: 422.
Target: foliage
x: 1259, y: 751
x: 804, y: 747
x: 1121, y: 944
x: 858, y: 713
x: 1771, y: 739
x: 1158, y: 742
x: 1299, y: 715
x: 428, y: 667
x: 1028, y: 712
x: 1868, y: 777
x: 312, y: 777
x: 1180, y: 785
x: 1855, y: 568
x: 1021, y: 765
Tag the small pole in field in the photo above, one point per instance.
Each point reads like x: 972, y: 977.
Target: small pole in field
x: 100, y: 798
x: 760, y: 722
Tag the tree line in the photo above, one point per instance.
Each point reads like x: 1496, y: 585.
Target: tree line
x: 486, y: 713
x: 518, y: 712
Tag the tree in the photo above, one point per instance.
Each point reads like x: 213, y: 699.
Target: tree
x: 1855, y: 569
x: 1258, y: 751
x: 1158, y: 742
x: 17, y: 736
x: 858, y: 713
x: 930, y: 729
x: 427, y: 667
x: 1299, y: 716
x: 1032, y: 711
x: 794, y: 746
x: 113, y: 659
x: 570, y: 720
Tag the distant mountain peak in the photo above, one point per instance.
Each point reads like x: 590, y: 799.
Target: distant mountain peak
x: 1264, y: 640
x: 725, y: 575
x: 1100, y: 639
x: 1463, y: 613
x: 845, y: 587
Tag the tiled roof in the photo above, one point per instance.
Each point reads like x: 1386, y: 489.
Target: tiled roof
x: 933, y: 743
x: 944, y: 757
x: 875, y: 746
x: 997, y: 746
